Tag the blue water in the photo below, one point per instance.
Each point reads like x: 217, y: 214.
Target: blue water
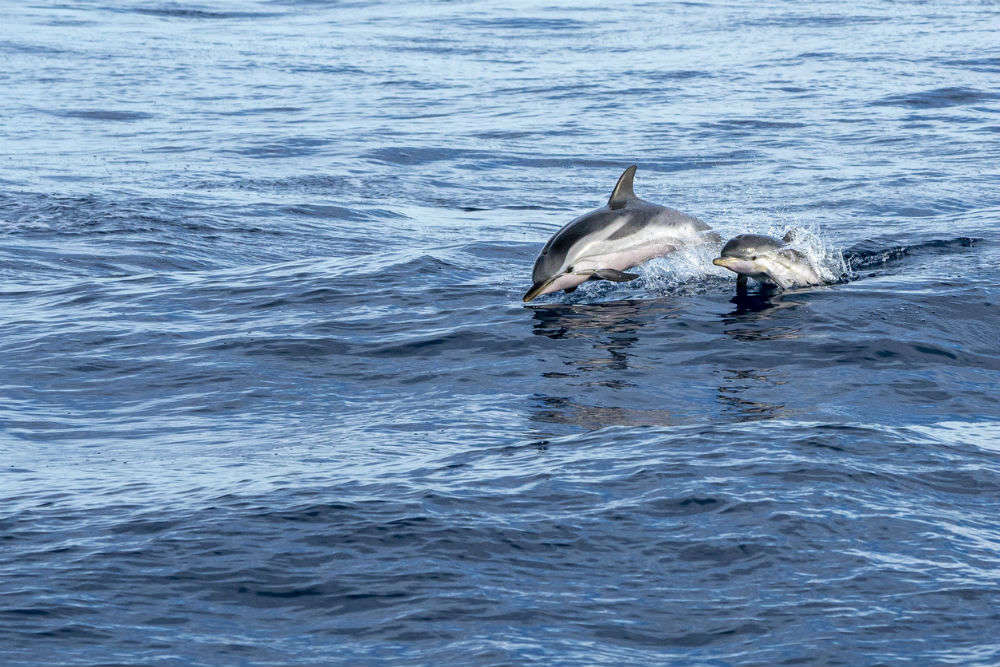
x: 269, y: 394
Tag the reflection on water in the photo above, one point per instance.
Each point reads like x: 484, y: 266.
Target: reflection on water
x: 612, y: 326
x: 608, y: 337
x: 736, y: 394
x: 740, y: 389
x: 754, y: 302
x: 585, y: 319
x: 749, y: 321
x: 561, y: 410
x: 611, y: 329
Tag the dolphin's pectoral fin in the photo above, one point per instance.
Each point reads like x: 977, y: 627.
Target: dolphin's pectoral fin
x: 569, y: 290
x: 623, y: 191
x: 614, y: 275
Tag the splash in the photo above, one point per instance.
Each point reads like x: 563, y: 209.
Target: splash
x: 825, y: 259
x: 688, y: 271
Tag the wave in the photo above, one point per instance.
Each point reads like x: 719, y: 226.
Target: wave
x: 870, y: 254
x: 182, y: 12
x: 937, y: 98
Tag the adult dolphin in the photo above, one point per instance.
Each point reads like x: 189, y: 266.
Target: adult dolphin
x: 601, y: 244
x: 767, y: 260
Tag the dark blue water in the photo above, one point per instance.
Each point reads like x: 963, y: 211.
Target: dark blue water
x: 269, y: 395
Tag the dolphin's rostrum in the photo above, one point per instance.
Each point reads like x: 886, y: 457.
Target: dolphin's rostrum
x: 767, y: 260
x: 601, y: 244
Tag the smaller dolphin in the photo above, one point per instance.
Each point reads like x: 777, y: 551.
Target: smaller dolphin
x: 767, y: 260
x: 601, y: 244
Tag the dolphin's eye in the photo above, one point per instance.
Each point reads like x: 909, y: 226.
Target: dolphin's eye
x: 569, y: 269
x: 754, y: 258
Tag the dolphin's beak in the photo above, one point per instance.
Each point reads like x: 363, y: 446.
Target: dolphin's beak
x: 535, y: 290
x: 743, y: 267
x: 734, y: 264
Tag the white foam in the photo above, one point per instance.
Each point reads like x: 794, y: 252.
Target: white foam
x: 689, y: 268
x: 826, y: 260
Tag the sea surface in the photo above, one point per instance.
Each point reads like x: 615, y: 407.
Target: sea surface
x: 269, y: 394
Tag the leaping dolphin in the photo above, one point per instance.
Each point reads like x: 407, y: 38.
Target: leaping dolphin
x: 601, y: 244
x: 767, y: 260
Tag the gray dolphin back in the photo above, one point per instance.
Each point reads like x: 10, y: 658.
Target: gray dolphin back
x: 746, y: 245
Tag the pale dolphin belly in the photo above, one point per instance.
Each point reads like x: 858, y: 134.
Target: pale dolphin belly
x: 626, y: 258
x: 651, y: 241
x: 789, y: 272
x: 619, y: 259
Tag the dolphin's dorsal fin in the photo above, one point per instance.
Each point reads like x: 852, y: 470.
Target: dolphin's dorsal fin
x: 623, y: 190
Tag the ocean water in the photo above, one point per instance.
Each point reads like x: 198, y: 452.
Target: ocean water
x: 269, y: 394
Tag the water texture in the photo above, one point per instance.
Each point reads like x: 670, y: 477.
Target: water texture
x: 269, y: 394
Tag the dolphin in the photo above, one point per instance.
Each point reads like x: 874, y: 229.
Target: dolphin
x: 601, y: 244
x: 767, y: 260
